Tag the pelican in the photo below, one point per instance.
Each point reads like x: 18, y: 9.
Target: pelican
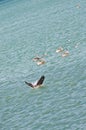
x: 66, y: 53
x: 40, y: 62
x: 60, y: 49
x: 36, y: 58
x: 36, y: 84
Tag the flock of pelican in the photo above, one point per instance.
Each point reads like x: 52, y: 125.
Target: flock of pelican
x: 65, y: 53
x: 40, y: 60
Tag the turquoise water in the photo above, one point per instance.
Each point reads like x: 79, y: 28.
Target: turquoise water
x: 35, y: 27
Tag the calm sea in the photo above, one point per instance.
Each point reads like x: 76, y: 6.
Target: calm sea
x: 36, y: 27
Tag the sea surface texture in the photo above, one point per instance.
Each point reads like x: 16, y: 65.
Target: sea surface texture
x: 30, y: 28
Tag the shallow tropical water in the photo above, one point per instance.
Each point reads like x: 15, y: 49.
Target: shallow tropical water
x: 35, y: 27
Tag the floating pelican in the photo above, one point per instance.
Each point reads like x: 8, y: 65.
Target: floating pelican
x: 66, y: 53
x: 36, y: 58
x: 40, y: 62
x: 60, y: 49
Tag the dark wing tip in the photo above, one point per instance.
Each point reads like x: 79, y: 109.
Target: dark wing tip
x: 43, y: 76
x: 29, y: 84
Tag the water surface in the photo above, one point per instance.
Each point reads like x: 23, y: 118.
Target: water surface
x: 29, y: 28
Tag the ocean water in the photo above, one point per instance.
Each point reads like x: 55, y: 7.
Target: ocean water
x: 35, y: 27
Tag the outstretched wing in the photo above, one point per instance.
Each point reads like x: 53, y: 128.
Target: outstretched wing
x: 40, y: 81
x: 29, y: 84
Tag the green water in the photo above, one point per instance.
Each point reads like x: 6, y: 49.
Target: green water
x: 35, y: 27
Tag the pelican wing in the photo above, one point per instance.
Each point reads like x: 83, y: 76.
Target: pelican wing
x: 29, y: 84
x: 40, y: 81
